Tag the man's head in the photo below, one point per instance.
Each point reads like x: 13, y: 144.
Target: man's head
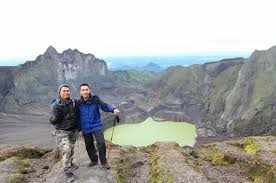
x: 84, y: 90
x: 64, y: 91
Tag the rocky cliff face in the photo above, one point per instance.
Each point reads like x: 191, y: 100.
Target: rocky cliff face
x: 250, y: 107
x: 37, y: 81
x: 232, y: 96
x: 5, y: 80
x: 196, y: 93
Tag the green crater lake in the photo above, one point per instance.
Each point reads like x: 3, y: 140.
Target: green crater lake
x: 150, y: 131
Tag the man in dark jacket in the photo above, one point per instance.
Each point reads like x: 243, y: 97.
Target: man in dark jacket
x: 64, y: 118
x: 90, y: 123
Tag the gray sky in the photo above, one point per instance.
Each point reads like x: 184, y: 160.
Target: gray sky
x: 135, y: 27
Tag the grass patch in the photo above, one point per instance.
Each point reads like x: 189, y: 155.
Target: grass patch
x: 262, y: 173
x: 24, y: 166
x: 30, y: 153
x: 26, y: 153
x: 154, y: 169
x: 2, y: 158
x: 209, y: 151
x: 257, y: 170
x: 250, y: 146
x: 16, y: 178
x: 23, y: 162
x: 157, y: 175
x: 121, y: 167
x: 212, y: 154
x: 235, y: 144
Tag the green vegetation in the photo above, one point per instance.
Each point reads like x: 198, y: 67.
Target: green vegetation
x: 121, y: 167
x: 133, y: 77
x: 23, y: 161
x: 24, y: 166
x: 262, y: 172
x: 158, y: 174
x: 17, y: 178
x: 211, y: 153
x: 154, y: 169
x: 250, y: 146
x: 258, y: 170
x: 26, y: 153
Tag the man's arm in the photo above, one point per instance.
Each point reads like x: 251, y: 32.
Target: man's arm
x: 104, y: 106
x: 56, y: 114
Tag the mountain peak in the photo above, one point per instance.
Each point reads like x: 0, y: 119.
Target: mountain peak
x: 71, y: 51
x: 152, y: 64
x: 51, y: 50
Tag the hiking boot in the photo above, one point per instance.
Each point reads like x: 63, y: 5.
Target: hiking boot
x: 92, y: 163
x: 70, y: 177
x: 106, y: 166
x: 74, y: 167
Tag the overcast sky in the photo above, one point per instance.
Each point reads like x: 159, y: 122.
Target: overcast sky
x: 135, y: 27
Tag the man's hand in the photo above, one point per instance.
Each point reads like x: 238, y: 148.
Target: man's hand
x: 80, y: 134
x: 59, y: 111
x: 117, y: 112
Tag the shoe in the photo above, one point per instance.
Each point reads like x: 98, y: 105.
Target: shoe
x: 106, y: 166
x: 74, y: 167
x: 70, y: 177
x: 92, y: 163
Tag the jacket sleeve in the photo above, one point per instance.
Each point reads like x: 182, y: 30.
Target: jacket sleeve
x: 54, y: 118
x: 78, y: 115
x: 104, y: 106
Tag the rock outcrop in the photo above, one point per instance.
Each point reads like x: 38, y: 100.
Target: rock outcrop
x: 251, y: 159
x: 37, y: 81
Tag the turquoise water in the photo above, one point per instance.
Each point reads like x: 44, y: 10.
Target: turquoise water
x: 150, y: 131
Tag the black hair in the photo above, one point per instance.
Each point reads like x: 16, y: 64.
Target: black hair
x: 84, y: 84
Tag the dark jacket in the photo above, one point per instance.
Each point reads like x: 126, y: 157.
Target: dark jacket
x: 64, y: 115
x: 89, y: 114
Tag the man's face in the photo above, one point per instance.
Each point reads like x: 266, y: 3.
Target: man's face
x: 65, y: 93
x: 84, y: 91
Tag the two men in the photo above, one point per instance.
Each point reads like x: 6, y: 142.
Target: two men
x: 69, y: 115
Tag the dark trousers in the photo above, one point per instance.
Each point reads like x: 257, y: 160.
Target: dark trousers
x: 90, y: 147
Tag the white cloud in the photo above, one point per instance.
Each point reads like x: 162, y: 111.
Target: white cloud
x: 137, y: 27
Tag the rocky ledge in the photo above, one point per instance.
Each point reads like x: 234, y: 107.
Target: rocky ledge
x: 251, y: 159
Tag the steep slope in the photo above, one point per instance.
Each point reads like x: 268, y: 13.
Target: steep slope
x: 6, y: 77
x: 232, y: 96
x: 196, y: 93
x: 252, y: 100
x: 133, y: 77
